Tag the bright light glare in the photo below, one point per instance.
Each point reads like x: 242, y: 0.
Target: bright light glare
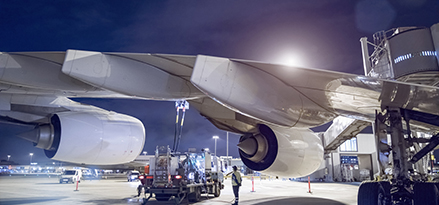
x: 289, y: 59
x: 215, y: 137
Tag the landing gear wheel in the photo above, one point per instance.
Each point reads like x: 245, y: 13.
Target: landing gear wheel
x: 425, y: 193
x: 217, y: 191
x: 386, y: 188
x: 373, y: 193
x: 196, y: 196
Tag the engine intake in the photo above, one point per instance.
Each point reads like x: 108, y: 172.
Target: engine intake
x: 259, y: 151
x: 290, y: 152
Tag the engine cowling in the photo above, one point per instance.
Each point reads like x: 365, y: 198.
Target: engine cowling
x: 288, y: 152
x: 99, y: 138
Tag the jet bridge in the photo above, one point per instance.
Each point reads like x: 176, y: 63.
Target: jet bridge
x: 342, y: 129
x: 407, y: 54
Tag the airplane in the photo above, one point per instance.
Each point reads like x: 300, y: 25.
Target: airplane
x: 271, y: 106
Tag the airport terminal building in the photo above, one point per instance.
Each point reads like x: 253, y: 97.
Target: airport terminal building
x: 355, y: 160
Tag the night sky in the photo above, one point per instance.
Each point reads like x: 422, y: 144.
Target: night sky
x: 314, y: 33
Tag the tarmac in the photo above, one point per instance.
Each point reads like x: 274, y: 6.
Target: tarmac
x: 45, y: 190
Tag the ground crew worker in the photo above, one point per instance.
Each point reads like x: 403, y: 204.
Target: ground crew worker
x: 236, y: 183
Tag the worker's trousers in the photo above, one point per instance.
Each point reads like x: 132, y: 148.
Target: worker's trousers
x: 236, y: 192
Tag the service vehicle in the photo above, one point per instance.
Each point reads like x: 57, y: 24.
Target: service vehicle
x: 70, y: 176
x: 133, y: 176
x: 180, y: 176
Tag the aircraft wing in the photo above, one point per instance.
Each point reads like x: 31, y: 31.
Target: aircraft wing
x: 270, y: 105
x: 35, y: 87
x: 302, y: 97
x: 282, y: 95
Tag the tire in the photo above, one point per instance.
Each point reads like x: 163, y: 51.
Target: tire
x: 191, y: 197
x: 217, y: 191
x: 425, y: 193
x: 386, y: 187
x: 198, y: 194
x: 437, y: 185
x: 373, y: 193
x: 195, y: 196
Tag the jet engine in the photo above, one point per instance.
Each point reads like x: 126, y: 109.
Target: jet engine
x: 289, y: 152
x: 99, y: 138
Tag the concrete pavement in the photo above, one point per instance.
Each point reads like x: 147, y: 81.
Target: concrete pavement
x: 44, y: 190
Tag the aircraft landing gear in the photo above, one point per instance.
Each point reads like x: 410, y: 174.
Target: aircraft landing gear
x: 405, y: 183
x: 372, y: 193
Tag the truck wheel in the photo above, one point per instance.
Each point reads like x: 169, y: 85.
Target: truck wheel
x: 195, y: 196
x: 217, y: 191
x: 191, y: 197
x: 198, y: 194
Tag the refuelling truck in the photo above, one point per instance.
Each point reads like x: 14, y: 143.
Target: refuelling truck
x: 179, y: 176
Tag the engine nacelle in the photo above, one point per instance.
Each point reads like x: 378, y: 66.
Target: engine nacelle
x: 288, y: 152
x: 99, y: 138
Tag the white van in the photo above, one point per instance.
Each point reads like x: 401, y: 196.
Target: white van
x: 133, y: 175
x: 70, y: 176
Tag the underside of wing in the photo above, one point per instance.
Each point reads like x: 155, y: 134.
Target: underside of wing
x: 301, y: 97
x: 77, y: 73
x: 149, y: 76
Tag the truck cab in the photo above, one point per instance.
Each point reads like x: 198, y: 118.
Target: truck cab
x: 70, y: 176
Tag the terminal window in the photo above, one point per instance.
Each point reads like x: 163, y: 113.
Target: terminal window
x: 349, y: 145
